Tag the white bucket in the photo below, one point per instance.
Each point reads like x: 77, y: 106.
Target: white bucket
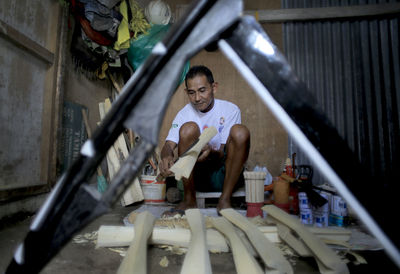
x: 153, y: 191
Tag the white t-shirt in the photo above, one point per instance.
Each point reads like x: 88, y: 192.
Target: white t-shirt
x: 222, y: 116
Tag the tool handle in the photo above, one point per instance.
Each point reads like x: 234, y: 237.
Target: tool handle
x: 89, y: 133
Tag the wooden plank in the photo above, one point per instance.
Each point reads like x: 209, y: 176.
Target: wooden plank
x: 244, y: 261
x: 120, y: 236
x: 327, y: 260
x: 184, y: 166
x: 298, y: 246
x: 115, y: 157
x: 326, y: 13
x: 24, y: 42
x: 11, y: 194
x: 269, y: 253
x: 57, y: 92
x: 51, y: 101
x: 135, y: 260
x: 197, y: 259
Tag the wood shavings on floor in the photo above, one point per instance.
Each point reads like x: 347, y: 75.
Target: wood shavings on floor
x: 174, y: 249
x: 86, y: 238
x: 164, y: 262
x: 288, y: 252
x: 179, y: 221
x: 120, y: 250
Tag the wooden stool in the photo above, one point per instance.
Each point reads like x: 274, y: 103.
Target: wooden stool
x: 201, y: 196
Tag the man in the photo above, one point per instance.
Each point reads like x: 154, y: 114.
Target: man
x: 220, y: 164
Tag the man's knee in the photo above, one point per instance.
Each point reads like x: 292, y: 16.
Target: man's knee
x: 240, y: 134
x: 189, y: 130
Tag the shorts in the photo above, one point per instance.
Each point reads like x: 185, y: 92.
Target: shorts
x: 209, y: 175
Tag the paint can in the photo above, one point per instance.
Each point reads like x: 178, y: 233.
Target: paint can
x: 338, y: 206
x: 303, y: 201
x: 153, y: 191
x: 325, y: 207
x: 321, y: 218
x: 336, y: 220
x: 306, y: 216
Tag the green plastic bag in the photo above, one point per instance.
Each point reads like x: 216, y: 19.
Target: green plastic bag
x: 141, y: 48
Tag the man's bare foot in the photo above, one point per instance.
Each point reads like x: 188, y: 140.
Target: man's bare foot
x: 179, y: 209
x: 222, y: 204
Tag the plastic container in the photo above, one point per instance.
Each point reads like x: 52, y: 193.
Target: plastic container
x: 153, y: 191
x: 254, y: 209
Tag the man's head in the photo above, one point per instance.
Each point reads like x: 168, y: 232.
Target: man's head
x: 200, y: 88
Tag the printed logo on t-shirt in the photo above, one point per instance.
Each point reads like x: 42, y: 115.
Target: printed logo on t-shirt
x: 221, y: 123
x: 174, y: 126
x: 205, y: 126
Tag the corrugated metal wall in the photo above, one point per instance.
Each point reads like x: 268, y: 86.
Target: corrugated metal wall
x: 352, y: 68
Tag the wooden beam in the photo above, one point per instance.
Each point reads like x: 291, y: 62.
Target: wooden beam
x: 26, y: 43
x: 327, y: 13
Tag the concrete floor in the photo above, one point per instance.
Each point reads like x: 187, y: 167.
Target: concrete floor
x: 85, y: 258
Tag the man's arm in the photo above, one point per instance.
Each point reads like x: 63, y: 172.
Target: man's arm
x: 209, y: 153
x: 167, y: 158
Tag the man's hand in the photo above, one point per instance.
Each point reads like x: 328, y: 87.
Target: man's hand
x: 165, y: 165
x: 167, y: 158
x: 205, y: 153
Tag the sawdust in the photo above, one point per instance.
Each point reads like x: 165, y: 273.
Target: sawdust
x: 179, y: 221
x: 86, y: 238
x: 121, y: 251
x: 164, y: 262
x: 174, y: 249
x: 289, y: 253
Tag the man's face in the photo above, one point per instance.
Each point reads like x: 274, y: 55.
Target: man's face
x: 201, y: 93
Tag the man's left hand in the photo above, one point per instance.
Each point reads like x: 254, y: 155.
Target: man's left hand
x: 205, y: 152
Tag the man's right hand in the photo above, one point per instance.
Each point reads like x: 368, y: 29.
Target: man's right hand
x: 167, y: 158
x: 165, y: 165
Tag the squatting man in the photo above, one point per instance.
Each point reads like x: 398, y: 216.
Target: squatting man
x: 219, y: 167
